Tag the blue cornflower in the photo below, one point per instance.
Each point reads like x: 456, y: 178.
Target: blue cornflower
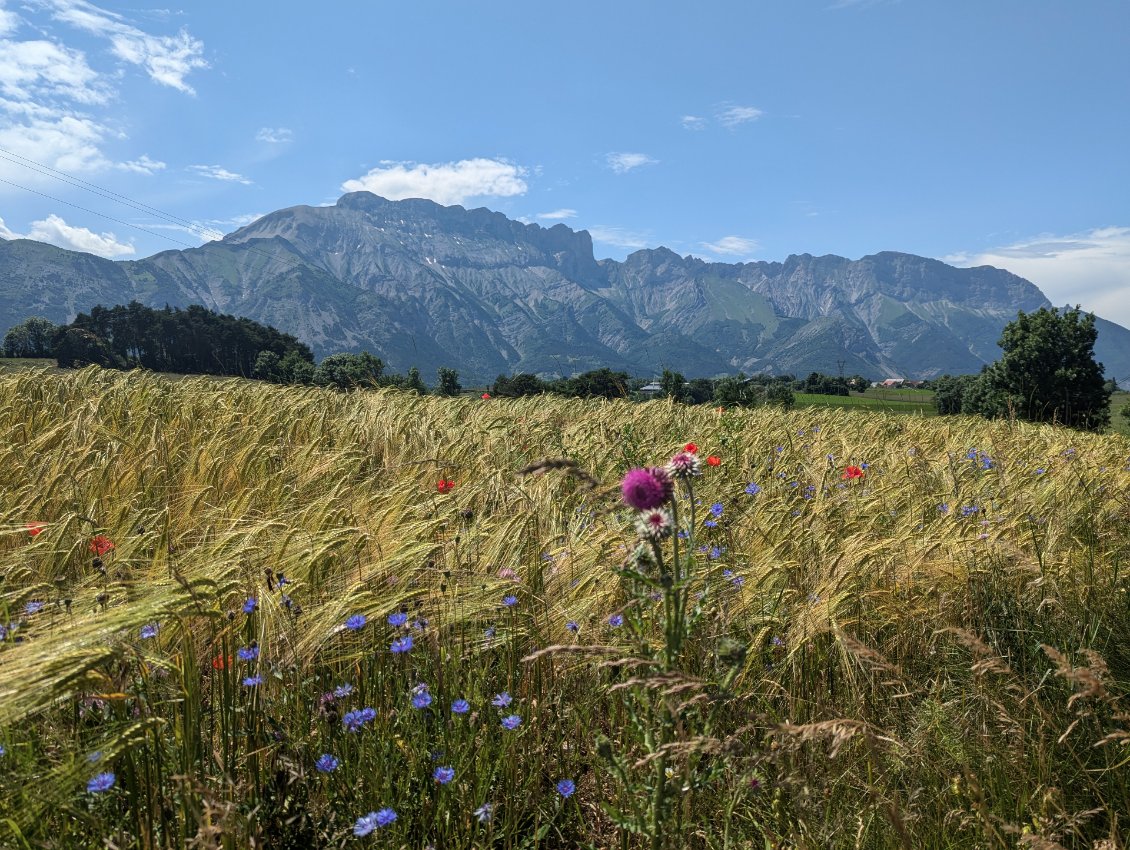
x: 566, y: 787
x: 944, y: 508
x: 511, y: 721
x: 443, y: 775
x: 1040, y: 471
x: 252, y: 681
x: 101, y: 782
x: 716, y: 509
x: 401, y: 644
x: 484, y: 812
x: 385, y: 817
x: 573, y: 626
x: 149, y: 631
x: 3, y: 752
x: 421, y: 699
x: 488, y: 632
x: 616, y: 620
x: 397, y: 619
x: 34, y: 607
x: 250, y: 605
x: 354, y: 720
x: 737, y: 581
x: 460, y: 706
x: 94, y: 757
x: 248, y: 653
x: 420, y: 623
x: 501, y: 700
x: 282, y: 579
x: 709, y: 523
x: 373, y: 820
x: 326, y: 763
x: 715, y: 552
x: 510, y: 601
x: 357, y: 621
x: 342, y: 691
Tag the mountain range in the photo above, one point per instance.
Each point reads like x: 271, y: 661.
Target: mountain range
x: 421, y: 284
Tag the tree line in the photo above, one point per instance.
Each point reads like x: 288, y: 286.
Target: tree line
x: 1047, y: 371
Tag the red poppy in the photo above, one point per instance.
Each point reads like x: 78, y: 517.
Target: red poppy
x: 100, y: 544
x: 691, y: 447
x: 219, y: 663
x: 486, y: 395
x: 714, y: 460
x: 853, y: 472
x: 34, y: 529
x: 444, y: 486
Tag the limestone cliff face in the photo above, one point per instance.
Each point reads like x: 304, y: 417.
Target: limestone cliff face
x: 427, y: 285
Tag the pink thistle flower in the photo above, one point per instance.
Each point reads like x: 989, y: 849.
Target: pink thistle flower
x: 644, y: 489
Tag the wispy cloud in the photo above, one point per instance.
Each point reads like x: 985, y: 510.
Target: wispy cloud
x: 9, y: 21
x: 732, y: 246
x: 274, y: 135
x: 619, y: 237
x: 733, y: 115
x: 693, y: 122
x: 218, y: 172
x: 1090, y: 268
x: 622, y: 162
x: 142, y: 165
x: 168, y: 59
x: 558, y: 215
x: 445, y: 182
x: 55, y: 231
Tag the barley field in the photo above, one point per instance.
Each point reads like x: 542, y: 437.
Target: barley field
x: 237, y: 615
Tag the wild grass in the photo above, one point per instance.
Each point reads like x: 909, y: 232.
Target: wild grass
x: 935, y: 655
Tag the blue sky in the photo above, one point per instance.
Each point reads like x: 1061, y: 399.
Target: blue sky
x: 976, y: 132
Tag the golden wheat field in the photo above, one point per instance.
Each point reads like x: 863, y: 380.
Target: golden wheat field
x: 204, y: 584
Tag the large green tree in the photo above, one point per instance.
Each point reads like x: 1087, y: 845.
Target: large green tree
x: 1048, y: 371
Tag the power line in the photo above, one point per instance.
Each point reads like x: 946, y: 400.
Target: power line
x: 93, y: 212
x: 77, y: 182
x: 48, y: 171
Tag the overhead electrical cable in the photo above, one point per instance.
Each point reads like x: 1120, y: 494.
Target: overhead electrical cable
x: 207, y: 234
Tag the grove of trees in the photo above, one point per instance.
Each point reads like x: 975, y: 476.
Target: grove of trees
x: 1047, y: 373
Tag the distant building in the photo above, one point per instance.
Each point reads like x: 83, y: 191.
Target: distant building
x: 651, y: 389
x: 893, y: 383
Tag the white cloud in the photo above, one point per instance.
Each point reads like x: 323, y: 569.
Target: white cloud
x: 624, y: 162
x: 1091, y: 269
x: 62, y: 141
x: 218, y: 172
x: 143, y: 165
x: 731, y: 115
x: 42, y: 69
x: 558, y: 215
x: 168, y: 59
x: 445, y: 182
x: 274, y: 135
x: 9, y: 21
x: 618, y: 237
x: 7, y: 233
x: 57, y: 232
x: 693, y: 122
x: 733, y: 246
